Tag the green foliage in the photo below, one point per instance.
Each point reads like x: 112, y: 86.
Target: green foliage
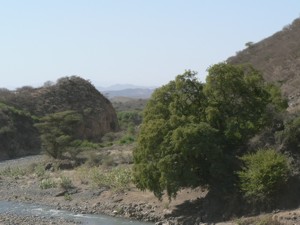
x: 290, y: 136
x: 237, y: 102
x: 57, y: 132
x: 15, y: 172
x: 39, y: 170
x: 68, y: 197
x: 128, y: 119
x: 278, y: 100
x: 127, y: 139
x: 48, y: 183
x: 85, y: 144
x: 66, y: 183
x: 118, y: 179
x: 264, y: 173
x: 18, y: 136
x: 192, y: 132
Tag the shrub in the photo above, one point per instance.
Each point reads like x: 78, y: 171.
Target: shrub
x: 264, y: 173
x: 48, y: 183
x: 15, y: 172
x: 39, y: 170
x: 67, y: 197
x: 66, y: 183
x: 118, y: 179
x: 127, y: 139
x: 290, y: 136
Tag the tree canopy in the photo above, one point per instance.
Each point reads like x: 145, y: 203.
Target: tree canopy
x: 192, y: 132
x: 58, y: 132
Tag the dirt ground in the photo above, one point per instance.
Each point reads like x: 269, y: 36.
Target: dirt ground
x: 189, y: 207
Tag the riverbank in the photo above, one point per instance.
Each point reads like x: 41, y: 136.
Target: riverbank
x: 21, y: 181
x: 14, y: 219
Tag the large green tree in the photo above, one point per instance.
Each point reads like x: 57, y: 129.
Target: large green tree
x: 191, y: 132
x: 58, y: 132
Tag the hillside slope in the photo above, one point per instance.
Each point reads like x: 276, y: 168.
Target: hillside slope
x: 278, y: 57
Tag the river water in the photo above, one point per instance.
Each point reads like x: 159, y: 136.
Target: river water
x: 48, y: 212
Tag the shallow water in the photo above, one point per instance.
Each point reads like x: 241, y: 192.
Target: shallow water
x: 48, y: 212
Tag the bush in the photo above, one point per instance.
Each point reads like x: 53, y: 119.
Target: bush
x: 264, y: 173
x: 129, y: 119
x: 68, y: 197
x: 66, y: 183
x: 48, y: 183
x: 127, y: 139
x: 39, y: 170
x: 290, y: 136
x: 15, y: 172
x: 118, y: 179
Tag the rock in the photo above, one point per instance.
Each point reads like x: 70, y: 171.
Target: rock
x: 61, y: 193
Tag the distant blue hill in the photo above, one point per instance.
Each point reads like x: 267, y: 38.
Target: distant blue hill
x: 127, y: 90
x: 119, y: 87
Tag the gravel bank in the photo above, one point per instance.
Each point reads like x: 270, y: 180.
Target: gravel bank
x: 13, y: 219
x: 22, y: 162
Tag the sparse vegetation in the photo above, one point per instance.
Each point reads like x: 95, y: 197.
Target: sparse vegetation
x: 263, y: 220
x: 66, y: 183
x: 15, y: 172
x: 278, y: 65
x: 67, y: 197
x: 39, y: 170
x: 118, y: 179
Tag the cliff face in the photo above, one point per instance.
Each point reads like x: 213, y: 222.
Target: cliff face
x: 278, y: 58
x: 68, y: 93
x: 74, y: 93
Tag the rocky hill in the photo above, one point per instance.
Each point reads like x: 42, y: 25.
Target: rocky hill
x: 68, y: 93
x: 278, y: 57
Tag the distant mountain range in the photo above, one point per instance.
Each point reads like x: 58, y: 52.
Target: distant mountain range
x: 127, y: 90
x: 119, y: 87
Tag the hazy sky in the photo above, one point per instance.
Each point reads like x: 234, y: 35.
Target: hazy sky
x: 141, y: 42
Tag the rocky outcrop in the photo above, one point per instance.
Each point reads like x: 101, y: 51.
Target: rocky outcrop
x: 24, y: 106
x: 75, y: 93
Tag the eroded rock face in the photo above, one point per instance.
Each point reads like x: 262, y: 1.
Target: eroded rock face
x: 21, y: 109
x: 75, y: 93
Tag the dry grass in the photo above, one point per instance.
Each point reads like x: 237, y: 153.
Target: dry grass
x: 278, y: 57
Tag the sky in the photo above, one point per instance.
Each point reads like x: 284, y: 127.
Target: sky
x: 139, y: 42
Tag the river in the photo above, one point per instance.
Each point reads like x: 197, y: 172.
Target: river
x: 25, y: 209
